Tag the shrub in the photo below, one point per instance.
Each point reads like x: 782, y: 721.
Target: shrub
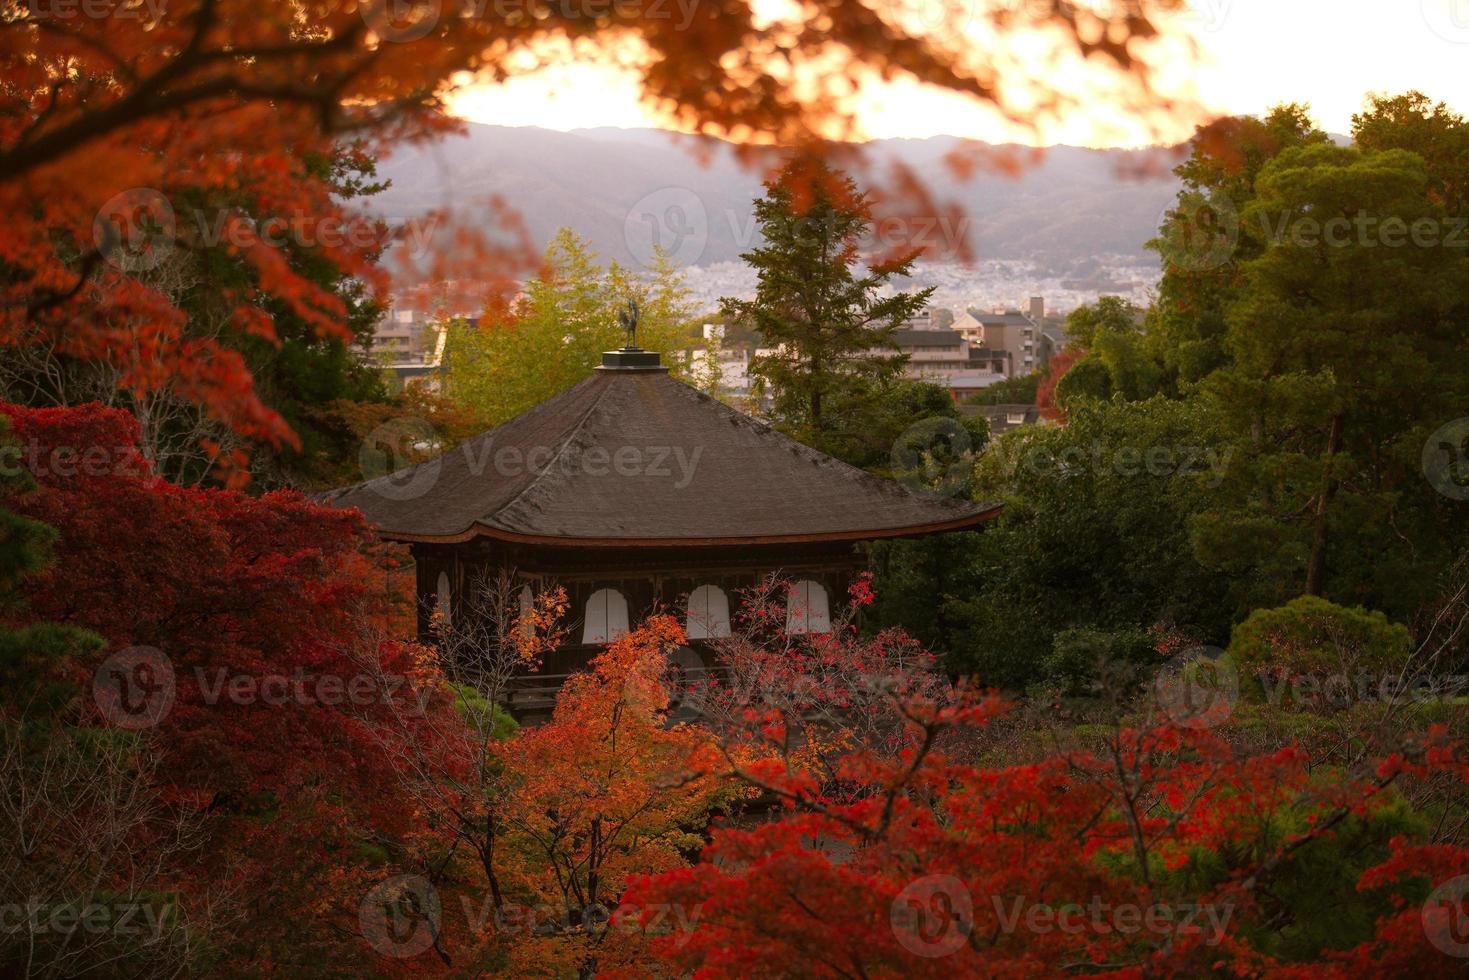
x: 1084, y: 657
x: 1310, y: 635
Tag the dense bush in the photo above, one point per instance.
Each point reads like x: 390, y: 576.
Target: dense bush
x: 1312, y: 636
x: 1084, y: 658
x: 1093, y: 535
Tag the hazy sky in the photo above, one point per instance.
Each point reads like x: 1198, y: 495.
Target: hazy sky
x: 1254, y: 54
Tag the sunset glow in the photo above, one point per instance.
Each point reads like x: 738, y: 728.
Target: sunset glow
x: 1249, y: 55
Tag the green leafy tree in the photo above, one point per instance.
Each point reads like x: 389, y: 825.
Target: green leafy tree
x: 1438, y: 135
x: 704, y: 371
x: 553, y: 336
x: 1087, y: 325
x: 1093, y: 536
x: 1203, y: 239
x: 1111, y: 355
x: 1018, y: 390
x: 907, y: 429
x: 1333, y: 329
x: 1087, y: 379
x: 1082, y: 658
x: 828, y: 320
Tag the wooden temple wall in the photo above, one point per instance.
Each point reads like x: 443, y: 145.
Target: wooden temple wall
x: 651, y: 580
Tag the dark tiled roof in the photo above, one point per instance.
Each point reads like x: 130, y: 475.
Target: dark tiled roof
x: 1008, y: 318
x: 633, y: 456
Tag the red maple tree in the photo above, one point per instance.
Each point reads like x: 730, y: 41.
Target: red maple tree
x: 261, y: 667
x: 1146, y: 847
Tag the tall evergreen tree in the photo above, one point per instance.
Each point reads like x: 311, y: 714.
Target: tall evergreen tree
x: 1345, y: 338
x: 1204, y: 240
x: 821, y: 307
x: 1415, y: 123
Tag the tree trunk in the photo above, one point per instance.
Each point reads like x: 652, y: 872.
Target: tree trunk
x: 1316, y: 569
x: 815, y: 394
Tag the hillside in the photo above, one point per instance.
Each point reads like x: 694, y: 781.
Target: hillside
x: 618, y: 187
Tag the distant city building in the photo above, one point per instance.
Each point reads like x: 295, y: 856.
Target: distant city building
x: 400, y: 336
x: 986, y: 285
x: 945, y: 357
x: 966, y: 351
x: 1003, y: 418
x: 1053, y: 342
x: 733, y: 369
x: 409, y: 343
x: 1016, y: 333
x: 922, y: 320
x: 1000, y: 362
x: 970, y: 328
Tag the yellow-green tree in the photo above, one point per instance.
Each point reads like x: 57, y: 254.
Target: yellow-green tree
x: 555, y: 332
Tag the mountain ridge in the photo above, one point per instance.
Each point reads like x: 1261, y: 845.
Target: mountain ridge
x: 628, y: 189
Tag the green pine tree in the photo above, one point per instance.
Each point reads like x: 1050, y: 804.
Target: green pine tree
x: 1345, y: 340
x: 828, y: 320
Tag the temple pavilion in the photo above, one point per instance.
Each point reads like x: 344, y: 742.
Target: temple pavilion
x: 635, y: 491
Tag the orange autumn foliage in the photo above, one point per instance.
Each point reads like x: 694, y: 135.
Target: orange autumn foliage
x: 607, y: 789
